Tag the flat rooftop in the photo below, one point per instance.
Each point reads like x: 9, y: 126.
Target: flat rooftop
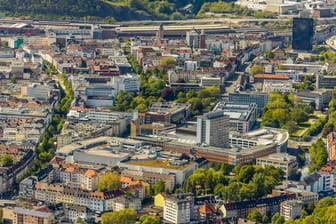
x: 159, y: 163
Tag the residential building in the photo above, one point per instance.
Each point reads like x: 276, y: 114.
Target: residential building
x: 264, y: 205
x: 317, y: 182
x: 285, y: 162
x: 124, y: 202
x: 331, y: 146
x: 27, y: 187
x: 291, y: 209
x: 178, y: 208
x: 207, y: 213
x: 242, y: 117
x: 213, y: 129
x: 27, y: 216
x: 73, y: 212
x: 152, y: 177
x: 159, y: 199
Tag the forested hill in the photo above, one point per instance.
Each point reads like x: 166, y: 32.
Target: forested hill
x: 117, y: 9
x: 68, y: 9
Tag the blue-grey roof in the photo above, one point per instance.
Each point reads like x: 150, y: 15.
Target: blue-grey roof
x: 31, y: 212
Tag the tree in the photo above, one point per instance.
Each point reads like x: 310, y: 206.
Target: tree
x: 110, y: 181
x: 254, y: 215
x: 148, y: 219
x: 265, y: 219
x: 13, y: 80
x: 278, y: 219
x: 158, y: 187
x: 6, y: 160
x: 125, y: 216
x: 79, y: 220
x: 168, y: 62
x: 256, y: 69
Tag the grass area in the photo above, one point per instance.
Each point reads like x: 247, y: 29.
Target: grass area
x: 158, y: 163
x: 117, y: 3
x: 299, y: 132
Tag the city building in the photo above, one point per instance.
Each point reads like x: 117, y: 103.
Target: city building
x: 317, y: 182
x: 27, y: 216
x: 291, y: 209
x: 178, y: 208
x: 213, y: 129
x: 259, y: 98
x: 283, y: 161
x: 331, y: 146
x: 242, y: 117
x: 325, y: 81
x: 303, y: 32
x: 193, y: 38
x: 126, y: 83
x: 241, y: 209
x: 166, y: 112
x: 318, y: 98
x: 280, y: 86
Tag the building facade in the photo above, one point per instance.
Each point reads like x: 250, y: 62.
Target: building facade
x: 213, y: 129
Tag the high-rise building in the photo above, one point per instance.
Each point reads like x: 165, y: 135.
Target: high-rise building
x: 160, y: 33
x: 303, y: 32
x: 179, y: 208
x: 213, y: 129
x: 193, y: 38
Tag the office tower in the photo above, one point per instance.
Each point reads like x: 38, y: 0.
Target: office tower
x: 213, y: 129
x: 303, y: 32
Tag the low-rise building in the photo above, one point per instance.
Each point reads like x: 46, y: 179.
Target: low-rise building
x: 291, y: 209
x: 265, y: 205
x: 285, y: 162
x: 280, y: 86
x: 318, y: 98
x: 259, y: 98
x: 124, y: 202
x: 27, y: 216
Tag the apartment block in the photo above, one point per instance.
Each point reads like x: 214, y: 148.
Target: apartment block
x: 178, y: 208
x: 291, y: 209
x: 27, y: 216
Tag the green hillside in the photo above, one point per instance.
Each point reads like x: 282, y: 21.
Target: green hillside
x: 68, y: 9
x: 120, y: 10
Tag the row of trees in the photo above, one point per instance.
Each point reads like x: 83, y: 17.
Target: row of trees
x: 285, y: 111
x: 318, y: 155
x: 128, y: 216
x: 47, y: 147
x: 249, y: 182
